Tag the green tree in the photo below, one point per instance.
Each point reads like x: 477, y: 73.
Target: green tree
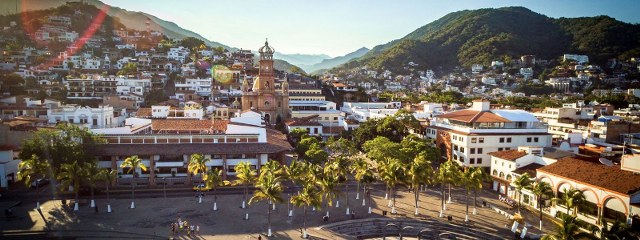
x: 71, y: 175
x: 197, y: 165
x: 419, y: 173
x: 392, y: 173
x: 310, y: 196
x: 93, y: 177
x: 191, y: 42
x: 129, y: 68
x: 472, y: 180
x: 133, y: 163
x: 521, y: 183
x: 268, y: 187
x: 541, y: 190
x: 108, y: 176
x: 316, y: 154
x: 568, y: 229
x: 32, y: 169
x: 571, y: 198
x: 245, y: 176
x: 448, y: 173
x: 213, y: 179
x: 328, y: 182
x: 616, y: 231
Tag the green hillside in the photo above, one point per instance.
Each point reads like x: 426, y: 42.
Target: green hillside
x: 480, y: 36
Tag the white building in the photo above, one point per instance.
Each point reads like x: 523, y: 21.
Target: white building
x: 527, y: 73
x: 326, y: 112
x: 570, y: 118
x: 100, y: 117
x: 8, y: 167
x: 467, y: 136
x: 581, y: 59
x: 202, y: 87
x: 178, y: 54
x: 126, y: 86
x: 476, y: 68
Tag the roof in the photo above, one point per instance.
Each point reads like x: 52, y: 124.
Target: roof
x: 510, y: 155
x: 143, y: 112
x: 188, y: 124
x: 554, y: 153
x: 595, y: 174
x: 473, y: 116
x: 516, y: 115
x: 203, y: 148
x: 529, y: 169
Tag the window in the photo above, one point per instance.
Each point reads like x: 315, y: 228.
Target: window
x: 455, y: 137
x: 95, y: 122
x: 535, y: 139
x: 508, y: 139
x: 479, y: 150
x: 461, y: 149
x: 507, y: 148
x: 502, y: 140
x: 528, y: 139
x: 478, y: 160
x: 70, y: 120
x: 500, y: 149
x: 266, y: 103
x: 472, y: 161
x: 474, y: 140
x: 455, y: 147
x: 481, y: 140
x: 455, y: 157
x: 472, y: 150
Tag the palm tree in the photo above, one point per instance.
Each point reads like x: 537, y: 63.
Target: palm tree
x: 476, y: 184
x: 93, y: 178
x: 419, y: 173
x: 71, y: 174
x: 522, y: 182
x: 572, y: 198
x: 108, y: 176
x: 472, y: 180
x: 198, y: 165
x: 617, y: 231
x: 268, y: 187
x: 328, y: 182
x: 448, y: 173
x: 341, y: 168
x: 392, y: 174
x: 33, y: 169
x: 298, y: 173
x: 568, y: 229
x: 213, y: 179
x: 245, y: 176
x: 133, y: 163
x: 310, y: 196
x: 541, y: 189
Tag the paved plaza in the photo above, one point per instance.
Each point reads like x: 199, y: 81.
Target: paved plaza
x: 153, y: 217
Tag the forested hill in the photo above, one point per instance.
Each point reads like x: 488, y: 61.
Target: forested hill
x: 480, y: 36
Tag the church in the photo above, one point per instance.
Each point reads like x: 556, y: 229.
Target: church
x: 263, y: 97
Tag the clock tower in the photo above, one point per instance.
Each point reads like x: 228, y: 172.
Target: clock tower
x: 263, y: 97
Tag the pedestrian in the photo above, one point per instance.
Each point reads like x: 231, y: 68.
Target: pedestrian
x: 259, y: 237
x: 198, y: 229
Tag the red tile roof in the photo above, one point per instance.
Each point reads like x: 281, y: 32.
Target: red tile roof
x: 473, y: 116
x: 610, y: 178
x: 510, y: 155
x: 188, y: 125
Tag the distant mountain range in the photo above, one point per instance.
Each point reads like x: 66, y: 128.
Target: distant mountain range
x: 332, y: 62
x: 480, y: 36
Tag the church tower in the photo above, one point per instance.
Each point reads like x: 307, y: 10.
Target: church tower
x: 263, y: 97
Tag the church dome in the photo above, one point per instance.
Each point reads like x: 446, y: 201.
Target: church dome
x: 256, y: 83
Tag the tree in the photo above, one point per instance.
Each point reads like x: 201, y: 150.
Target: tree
x: 108, y: 176
x: 197, y: 165
x: 133, y: 163
x: 298, y: 172
x: 245, y: 176
x: 475, y: 182
x: 392, y: 173
x: 213, y: 179
x: 316, y: 154
x: 541, y: 190
x: 93, y: 177
x: 191, y: 42
x: 617, y: 231
x: 129, y: 68
x: 419, y: 173
x: 522, y: 182
x: 70, y: 175
x: 472, y: 180
x: 305, y: 143
x: 33, y: 169
x: 64, y: 144
x: 328, y: 182
x: 568, y: 229
x: 448, y: 173
x: 310, y: 196
x: 297, y: 134
x: 572, y: 198
x: 268, y: 187
x: 380, y: 148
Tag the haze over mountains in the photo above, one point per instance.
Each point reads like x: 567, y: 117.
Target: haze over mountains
x: 137, y: 20
x: 480, y: 36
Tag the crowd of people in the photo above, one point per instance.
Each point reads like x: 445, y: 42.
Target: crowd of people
x: 181, y: 226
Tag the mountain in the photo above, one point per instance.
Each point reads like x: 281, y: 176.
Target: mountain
x: 131, y: 19
x: 332, y: 62
x: 480, y: 36
x: 301, y: 59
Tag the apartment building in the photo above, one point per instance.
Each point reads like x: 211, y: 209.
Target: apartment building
x: 467, y: 136
x: 100, y: 117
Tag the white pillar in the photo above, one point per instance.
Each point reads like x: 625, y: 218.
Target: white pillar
x: 393, y: 210
x: 389, y: 203
x: 327, y: 213
x: 108, y: 208
x: 75, y: 207
x: 133, y: 204
x: 541, y: 225
x: 243, y: 204
x: 449, y: 199
x: 417, y: 213
x: 347, y: 210
x: 273, y: 206
x: 38, y: 205
x: 200, y: 199
x: 337, y: 203
x: 369, y: 210
x: 441, y: 213
x: 304, y: 234
x: 93, y: 203
x: 386, y: 196
x: 357, y: 195
x: 246, y: 216
x: 466, y: 217
x: 364, y: 202
x: 474, y: 211
x: 269, y: 233
x: 215, y: 206
x: 291, y: 213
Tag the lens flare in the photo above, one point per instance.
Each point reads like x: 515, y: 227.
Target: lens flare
x: 221, y: 74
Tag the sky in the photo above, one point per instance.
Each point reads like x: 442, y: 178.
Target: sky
x: 338, y: 27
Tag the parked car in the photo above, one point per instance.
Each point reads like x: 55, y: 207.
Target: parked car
x: 39, y: 182
x: 201, y: 187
